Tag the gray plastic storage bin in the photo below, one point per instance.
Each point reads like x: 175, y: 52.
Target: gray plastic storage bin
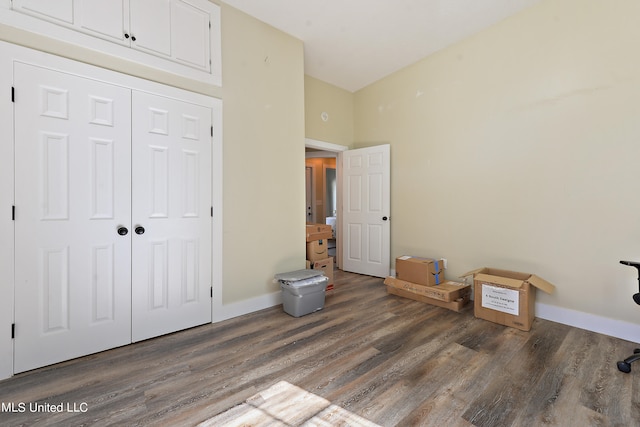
x: 303, y: 291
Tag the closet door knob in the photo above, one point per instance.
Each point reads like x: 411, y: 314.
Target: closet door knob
x: 123, y: 231
x: 126, y: 35
x: 133, y: 37
x: 139, y: 229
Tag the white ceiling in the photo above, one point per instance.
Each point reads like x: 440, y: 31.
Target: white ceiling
x: 353, y: 43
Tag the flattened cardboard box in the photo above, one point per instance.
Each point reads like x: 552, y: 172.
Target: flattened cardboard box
x: 318, y: 232
x: 457, y: 305
x: 506, y: 297
x: 422, y: 271
x: 447, y: 291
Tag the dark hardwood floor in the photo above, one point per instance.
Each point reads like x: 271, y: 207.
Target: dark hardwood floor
x: 390, y: 360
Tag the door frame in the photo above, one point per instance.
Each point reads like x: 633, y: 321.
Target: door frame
x: 310, y: 193
x: 332, y: 150
x: 6, y: 221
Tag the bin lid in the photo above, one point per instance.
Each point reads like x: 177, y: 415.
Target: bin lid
x: 305, y: 286
x: 294, y: 276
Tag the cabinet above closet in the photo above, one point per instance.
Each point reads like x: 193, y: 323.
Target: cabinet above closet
x: 178, y: 36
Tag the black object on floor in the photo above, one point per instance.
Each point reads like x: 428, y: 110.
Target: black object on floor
x: 625, y: 365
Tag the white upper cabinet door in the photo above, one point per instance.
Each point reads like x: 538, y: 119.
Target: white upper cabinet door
x: 60, y: 11
x: 106, y: 19
x: 190, y: 28
x: 176, y: 29
x: 151, y: 26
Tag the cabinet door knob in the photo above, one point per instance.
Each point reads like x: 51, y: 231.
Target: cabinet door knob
x: 139, y: 229
x: 123, y: 231
x: 133, y: 38
x: 126, y: 35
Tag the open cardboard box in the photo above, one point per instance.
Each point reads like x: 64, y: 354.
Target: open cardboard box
x: 506, y: 297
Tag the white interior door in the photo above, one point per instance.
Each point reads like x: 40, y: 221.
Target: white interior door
x: 366, y: 210
x: 171, y: 216
x: 72, y: 178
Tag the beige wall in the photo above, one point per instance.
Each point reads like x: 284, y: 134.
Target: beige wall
x: 263, y: 94
x: 264, y: 212
x: 321, y: 97
x: 519, y: 148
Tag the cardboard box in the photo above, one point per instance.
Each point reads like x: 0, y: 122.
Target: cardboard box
x: 317, y: 250
x: 318, y: 232
x: 422, y: 271
x: 446, y: 291
x: 457, y: 305
x: 326, y: 265
x: 506, y: 297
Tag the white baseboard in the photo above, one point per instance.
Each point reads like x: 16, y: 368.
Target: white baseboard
x: 602, y: 325
x: 590, y: 322
x: 247, y: 306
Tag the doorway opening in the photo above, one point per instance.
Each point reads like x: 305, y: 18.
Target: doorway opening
x: 323, y: 190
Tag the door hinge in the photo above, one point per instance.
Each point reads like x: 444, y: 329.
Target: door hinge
x: 212, y: 131
x: 13, y: 94
x: 13, y: 213
x: 212, y: 292
x: 211, y: 211
x: 13, y: 331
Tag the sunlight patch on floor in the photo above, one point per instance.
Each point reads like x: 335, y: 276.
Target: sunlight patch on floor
x: 285, y: 404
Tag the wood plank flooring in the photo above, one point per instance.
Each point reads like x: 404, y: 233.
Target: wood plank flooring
x: 390, y: 360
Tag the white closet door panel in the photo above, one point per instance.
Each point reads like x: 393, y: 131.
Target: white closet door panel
x: 171, y: 196
x: 73, y: 270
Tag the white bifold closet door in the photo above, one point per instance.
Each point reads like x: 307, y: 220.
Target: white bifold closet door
x: 73, y: 192
x: 113, y: 224
x: 171, y: 199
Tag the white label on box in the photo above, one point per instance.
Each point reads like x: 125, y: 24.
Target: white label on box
x: 404, y: 257
x: 500, y: 299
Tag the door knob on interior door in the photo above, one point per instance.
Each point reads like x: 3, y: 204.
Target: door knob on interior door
x: 139, y: 229
x: 123, y: 231
x: 384, y: 218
